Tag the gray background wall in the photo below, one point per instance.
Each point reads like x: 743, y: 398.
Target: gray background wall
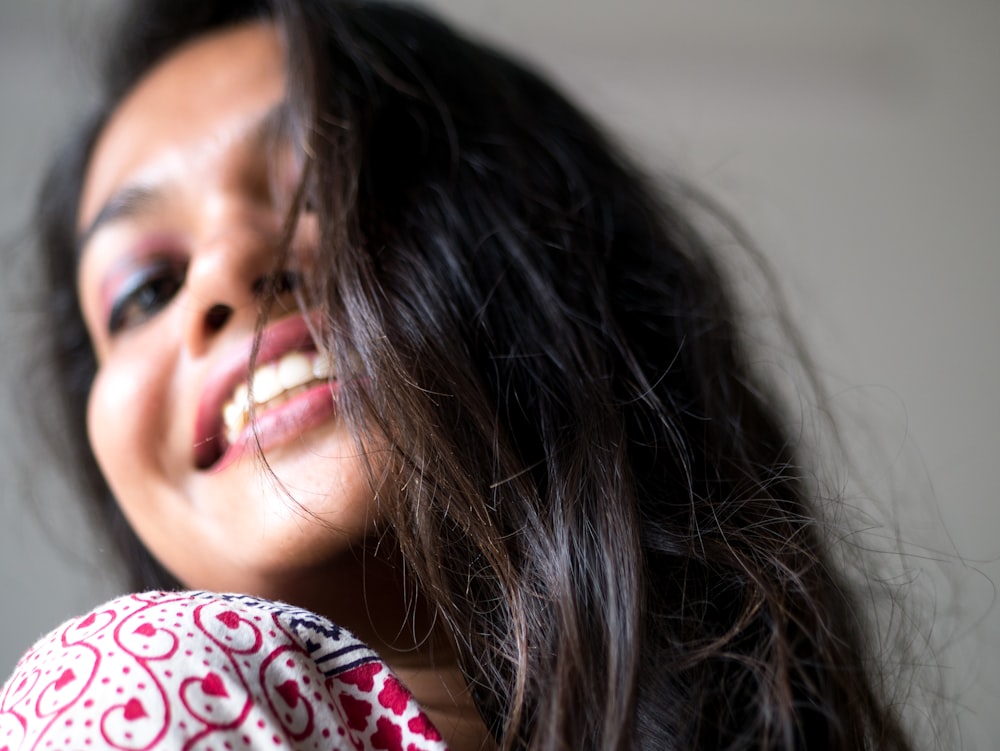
x: 858, y: 143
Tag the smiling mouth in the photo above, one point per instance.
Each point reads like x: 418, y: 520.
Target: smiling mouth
x: 272, y: 385
x: 291, y: 390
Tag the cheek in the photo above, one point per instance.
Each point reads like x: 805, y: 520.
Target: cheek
x: 325, y: 482
x: 124, y: 423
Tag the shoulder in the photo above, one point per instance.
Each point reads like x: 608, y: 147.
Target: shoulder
x: 203, y: 670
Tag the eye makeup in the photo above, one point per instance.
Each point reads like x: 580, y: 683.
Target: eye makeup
x: 141, y: 283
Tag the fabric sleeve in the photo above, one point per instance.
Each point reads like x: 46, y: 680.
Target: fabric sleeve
x: 207, y: 672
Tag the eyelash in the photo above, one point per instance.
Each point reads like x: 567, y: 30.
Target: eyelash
x: 144, y: 294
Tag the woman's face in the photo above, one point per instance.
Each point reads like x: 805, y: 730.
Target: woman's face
x: 182, y: 209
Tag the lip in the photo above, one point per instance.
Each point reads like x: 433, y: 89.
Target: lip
x: 282, y: 424
x: 290, y: 334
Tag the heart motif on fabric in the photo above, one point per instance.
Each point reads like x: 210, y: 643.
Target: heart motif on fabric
x: 68, y: 676
x: 387, y: 734
x: 393, y: 696
x: 357, y: 711
x: 212, y: 685
x: 134, y: 710
x: 420, y: 724
x: 289, y: 691
x: 86, y: 627
x: 146, y: 629
x: 362, y: 676
x: 229, y: 619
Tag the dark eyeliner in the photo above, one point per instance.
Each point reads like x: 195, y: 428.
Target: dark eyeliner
x: 143, y: 293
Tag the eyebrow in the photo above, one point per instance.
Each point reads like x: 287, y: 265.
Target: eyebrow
x: 135, y: 200
x: 129, y: 202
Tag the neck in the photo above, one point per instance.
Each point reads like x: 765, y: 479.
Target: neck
x: 369, y: 596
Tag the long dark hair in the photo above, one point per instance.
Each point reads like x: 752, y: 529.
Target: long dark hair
x: 592, y: 488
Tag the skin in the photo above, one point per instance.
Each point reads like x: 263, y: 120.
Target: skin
x: 193, y: 137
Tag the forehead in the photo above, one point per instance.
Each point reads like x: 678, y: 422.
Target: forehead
x: 208, y: 91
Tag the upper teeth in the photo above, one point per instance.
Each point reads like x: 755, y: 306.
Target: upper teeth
x: 270, y: 381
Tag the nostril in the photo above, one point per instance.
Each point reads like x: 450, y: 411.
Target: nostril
x: 279, y: 283
x: 216, y: 317
x: 286, y: 281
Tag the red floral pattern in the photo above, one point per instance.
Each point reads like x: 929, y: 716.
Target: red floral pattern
x: 207, y: 672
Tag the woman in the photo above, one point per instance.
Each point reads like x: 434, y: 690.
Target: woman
x: 367, y: 318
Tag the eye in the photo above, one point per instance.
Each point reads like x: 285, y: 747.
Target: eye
x: 143, y: 294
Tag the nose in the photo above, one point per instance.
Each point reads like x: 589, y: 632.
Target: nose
x: 225, y: 277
